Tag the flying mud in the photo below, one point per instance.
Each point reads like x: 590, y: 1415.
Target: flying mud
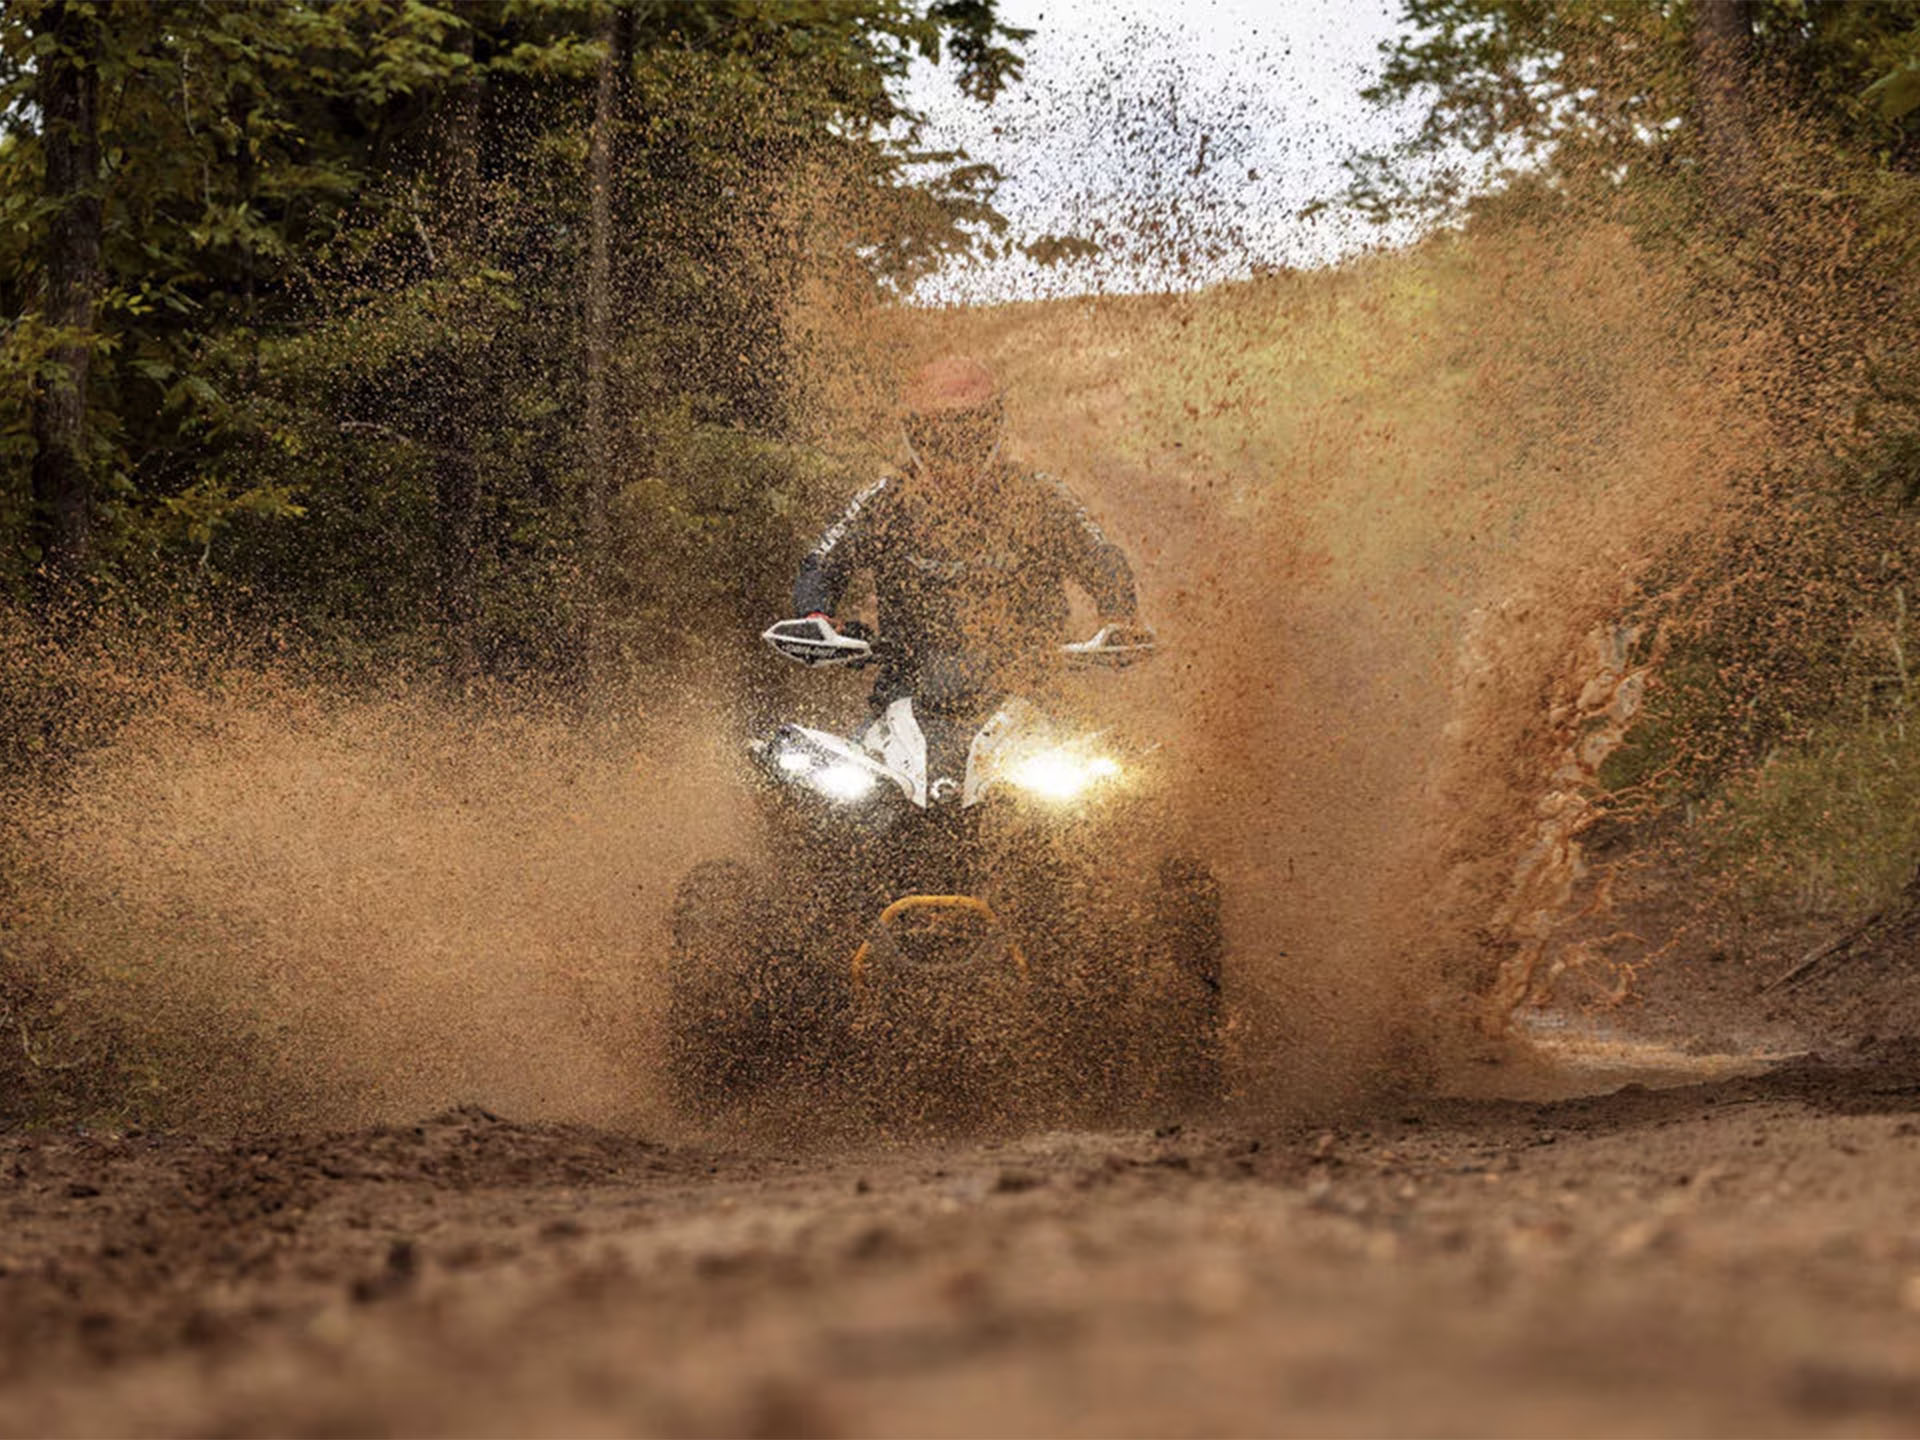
x: 390, y: 972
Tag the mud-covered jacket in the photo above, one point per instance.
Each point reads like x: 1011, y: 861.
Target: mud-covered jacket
x: 991, y: 569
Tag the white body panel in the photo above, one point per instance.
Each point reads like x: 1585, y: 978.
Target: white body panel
x: 896, y: 739
x: 1016, y: 729
x: 894, y: 748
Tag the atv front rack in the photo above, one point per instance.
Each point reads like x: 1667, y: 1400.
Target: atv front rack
x: 882, y: 932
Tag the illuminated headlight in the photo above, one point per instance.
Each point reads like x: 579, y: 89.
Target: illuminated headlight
x: 843, y: 780
x: 1062, y: 774
x: 835, y: 778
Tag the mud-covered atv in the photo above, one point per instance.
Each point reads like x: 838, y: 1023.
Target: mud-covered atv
x: 969, y: 915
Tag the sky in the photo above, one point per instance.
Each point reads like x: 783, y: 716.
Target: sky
x: 1186, y: 138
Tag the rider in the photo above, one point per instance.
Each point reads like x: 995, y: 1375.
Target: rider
x: 968, y: 550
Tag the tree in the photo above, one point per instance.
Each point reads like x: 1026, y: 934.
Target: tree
x: 1599, y: 95
x: 1723, y: 91
x: 66, y: 38
x: 613, y: 90
x: 454, y: 422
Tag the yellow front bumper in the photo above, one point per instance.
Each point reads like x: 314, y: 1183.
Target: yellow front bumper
x: 907, y: 903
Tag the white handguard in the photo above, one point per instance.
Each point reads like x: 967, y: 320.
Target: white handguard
x: 814, y: 641
x: 1112, y: 646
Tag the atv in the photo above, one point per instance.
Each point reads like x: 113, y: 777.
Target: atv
x: 970, y: 918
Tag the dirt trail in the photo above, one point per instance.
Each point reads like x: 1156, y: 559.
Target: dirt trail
x: 1731, y: 1258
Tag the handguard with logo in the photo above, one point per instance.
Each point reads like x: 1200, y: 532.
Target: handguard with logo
x: 1112, y: 647
x: 813, y: 641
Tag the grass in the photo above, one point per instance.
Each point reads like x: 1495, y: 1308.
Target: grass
x: 1828, y: 828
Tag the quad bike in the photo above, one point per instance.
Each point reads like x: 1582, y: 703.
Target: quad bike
x: 969, y: 917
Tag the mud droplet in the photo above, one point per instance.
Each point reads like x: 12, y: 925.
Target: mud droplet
x: 1910, y: 1292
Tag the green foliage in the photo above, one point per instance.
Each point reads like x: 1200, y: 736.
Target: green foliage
x: 1827, y: 828
x: 340, y: 337
x: 1595, y: 93
x: 1511, y: 86
x: 1753, y: 149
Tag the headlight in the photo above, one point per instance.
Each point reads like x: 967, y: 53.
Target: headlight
x: 1062, y: 774
x: 843, y: 780
x: 829, y: 775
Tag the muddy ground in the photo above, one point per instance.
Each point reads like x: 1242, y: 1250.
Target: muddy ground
x: 1740, y: 1256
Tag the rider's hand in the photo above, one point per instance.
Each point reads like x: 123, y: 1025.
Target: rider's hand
x: 1113, y: 645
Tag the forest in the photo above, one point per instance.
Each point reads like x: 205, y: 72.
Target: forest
x: 476, y: 338
x: 468, y: 338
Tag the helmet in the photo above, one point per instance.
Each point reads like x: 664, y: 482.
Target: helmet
x: 953, y: 415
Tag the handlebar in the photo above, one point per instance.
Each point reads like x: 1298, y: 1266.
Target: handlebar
x: 1112, y: 647
x: 815, y: 642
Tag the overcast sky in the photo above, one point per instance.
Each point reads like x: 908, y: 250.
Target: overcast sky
x: 1187, y: 138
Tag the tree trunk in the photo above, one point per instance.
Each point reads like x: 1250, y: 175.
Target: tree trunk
x: 246, y: 178
x: 456, y: 479
x: 616, y: 64
x: 456, y: 503
x: 1723, y: 101
x: 62, y: 474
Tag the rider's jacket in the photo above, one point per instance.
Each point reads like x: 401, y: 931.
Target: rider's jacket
x: 953, y: 575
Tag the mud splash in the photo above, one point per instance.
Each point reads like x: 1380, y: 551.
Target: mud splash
x: 295, y: 907
x: 1374, y: 513
x: 1378, y: 513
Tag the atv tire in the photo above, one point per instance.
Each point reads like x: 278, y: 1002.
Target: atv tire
x: 1188, y: 972
x: 747, y: 1009
x: 715, y: 1048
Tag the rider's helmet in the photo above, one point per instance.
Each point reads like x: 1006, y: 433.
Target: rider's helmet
x: 953, y: 414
